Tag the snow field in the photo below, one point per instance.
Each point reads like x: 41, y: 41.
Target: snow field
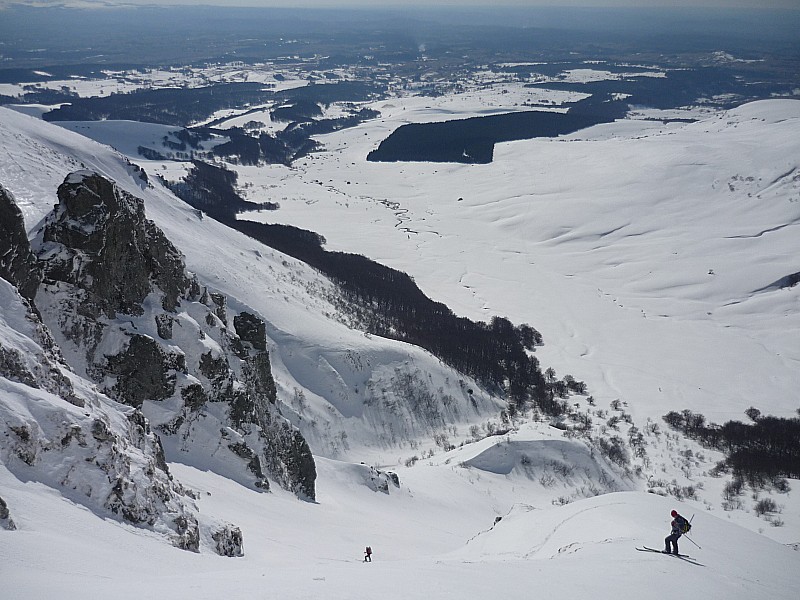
x: 420, y: 536
x: 611, y: 265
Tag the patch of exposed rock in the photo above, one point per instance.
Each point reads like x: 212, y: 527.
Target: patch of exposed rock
x: 99, y: 240
x: 228, y: 540
x: 18, y: 264
x: 6, y: 522
x: 57, y: 429
x: 128, y: 315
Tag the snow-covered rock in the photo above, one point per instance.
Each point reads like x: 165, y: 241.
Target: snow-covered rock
x: 130, y: 317
x: 57, y: 429
x: 5, y: 517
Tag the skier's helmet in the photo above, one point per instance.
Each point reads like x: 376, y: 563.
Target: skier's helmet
x: 674, y: 513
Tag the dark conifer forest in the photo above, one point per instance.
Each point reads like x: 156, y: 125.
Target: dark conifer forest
x: 472, y: 140
x: 387, y: 302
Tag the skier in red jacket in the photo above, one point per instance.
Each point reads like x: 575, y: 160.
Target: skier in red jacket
x: 679, y: 526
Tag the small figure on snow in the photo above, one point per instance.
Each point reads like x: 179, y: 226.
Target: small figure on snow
x: 679, y: 526
x: 368, y: 554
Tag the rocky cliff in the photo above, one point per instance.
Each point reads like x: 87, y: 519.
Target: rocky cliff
x: 55, y: 428
x: 128, y: 316
x: 17, y: 263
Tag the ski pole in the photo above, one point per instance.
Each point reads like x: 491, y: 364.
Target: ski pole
x: 687, y: 535
x: 691, y: 540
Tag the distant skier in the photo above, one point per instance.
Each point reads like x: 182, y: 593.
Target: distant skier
x: 679, y: 526
x: 368, y: 554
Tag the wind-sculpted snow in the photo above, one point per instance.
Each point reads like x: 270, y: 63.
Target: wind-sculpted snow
x: 569, y: 463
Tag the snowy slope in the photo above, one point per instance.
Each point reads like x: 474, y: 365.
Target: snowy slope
x: 127, y: 136
x: 648, y: 254
x: 639, y: 251
x: 421, y: 539
x: 645, y: 255
x: 324, y: 371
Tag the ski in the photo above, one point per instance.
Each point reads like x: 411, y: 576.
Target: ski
x: 646, y: 549
x: 683, y: 557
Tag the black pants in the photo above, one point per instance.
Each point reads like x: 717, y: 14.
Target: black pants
x: 671, y: 539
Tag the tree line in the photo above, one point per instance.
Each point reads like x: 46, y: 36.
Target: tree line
x: 472, y: 140
x: 287, y: 145
x: 388, y: 303
x: 768, y: 447
x: 212, y: 189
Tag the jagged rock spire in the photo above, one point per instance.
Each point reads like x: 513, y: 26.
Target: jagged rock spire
x: 111, y: 250
x: 135, y: 321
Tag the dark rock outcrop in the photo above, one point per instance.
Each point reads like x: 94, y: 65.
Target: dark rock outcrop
x: 5, y: 517
x: 228, y: 541
x: 145, y: 370
x: 109, y: 249
x: 251, y: 329
x: 147, y: 332
x: 18, y: 264
x: 187, y: 534
x: 291, y: 461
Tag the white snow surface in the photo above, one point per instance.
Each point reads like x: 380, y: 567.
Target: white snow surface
x: 646, y: 259
x: 421, y: 543
x: 645, y: 253
x: 127, y: 136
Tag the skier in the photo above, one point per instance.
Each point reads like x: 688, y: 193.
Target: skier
x: 368, y: 554
x: 679, y: 526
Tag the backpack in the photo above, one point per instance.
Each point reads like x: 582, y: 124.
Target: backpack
x: 683, y: 524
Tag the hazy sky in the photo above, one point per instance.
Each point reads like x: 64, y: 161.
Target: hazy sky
x: 792, y: 4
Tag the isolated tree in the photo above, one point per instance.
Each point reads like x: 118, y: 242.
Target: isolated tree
x: 753, y: 413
